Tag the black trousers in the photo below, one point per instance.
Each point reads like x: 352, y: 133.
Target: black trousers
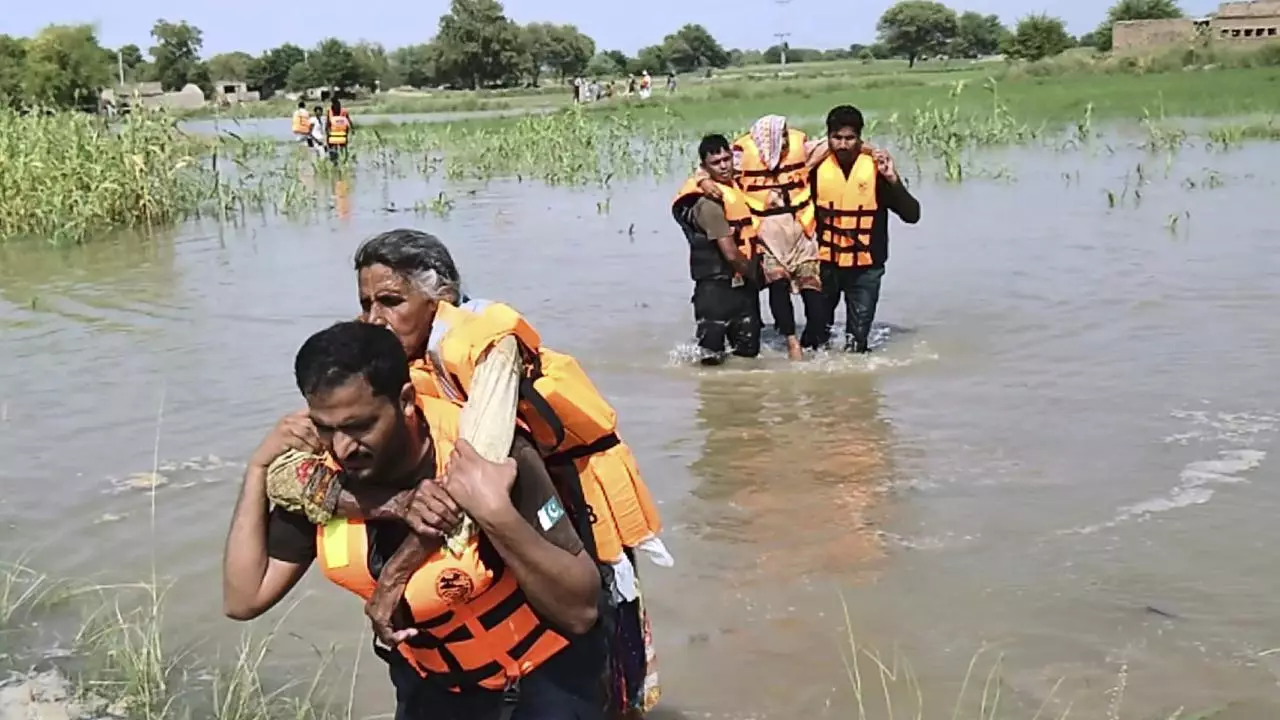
x: 538, y: 699
x: 816, y: 324
x: 860, y: 288
x: 726, y: 315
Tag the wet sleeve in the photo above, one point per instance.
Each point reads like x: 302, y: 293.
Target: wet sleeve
x: 488, y: 420
x: 896, y: 197
x: 535, y: 498
x: 709, y: 215
x: 290, y: 537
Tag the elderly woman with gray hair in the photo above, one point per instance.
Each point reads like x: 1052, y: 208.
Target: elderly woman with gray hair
x: 774, y: 162
x: 410, y: 284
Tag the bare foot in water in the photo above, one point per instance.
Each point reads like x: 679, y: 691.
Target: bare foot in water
x: 793, y: 349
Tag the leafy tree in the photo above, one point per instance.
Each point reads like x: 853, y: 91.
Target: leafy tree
x: 604, y: 65
x: 691, y: 48
x: 65, y: 67
x: 302, y: 77
x: 1089, y: 39
x: 1134, y: 10
x: 773, y: 53
x: 415, y: 65
x: 652, y: 58
x: 135, y: 65
x: 1039, y: 36
x: 131, y: 56
x: 13, y: 60
x: 619, y: 57
x: 561, y: 48
x: 977, y: 35
x: 177, y: 55
x: 269, y: 72
x: 333, y: 64
x: 913, y: 28
x: 230, y: 66
x: 478, y: 44
x: 374, y: 65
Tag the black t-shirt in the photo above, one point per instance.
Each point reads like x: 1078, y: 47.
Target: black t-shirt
x: 577, y: 668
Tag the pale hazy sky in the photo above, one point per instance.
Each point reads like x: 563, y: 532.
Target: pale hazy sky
x: 254, y: 25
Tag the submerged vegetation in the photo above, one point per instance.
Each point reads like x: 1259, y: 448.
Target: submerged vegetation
x: 72, y: 176
x: 123, y: 666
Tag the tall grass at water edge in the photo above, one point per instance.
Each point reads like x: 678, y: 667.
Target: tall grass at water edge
x: 123, y: 667
x: 70, y: 176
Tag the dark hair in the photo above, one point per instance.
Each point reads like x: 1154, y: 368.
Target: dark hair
x: 416, y: 256
x: 302, y: 104
x: 331, y: 357
x: 711, y: 144
x: 844, y: 116
x: 319, y: 109
x: 337, y: 104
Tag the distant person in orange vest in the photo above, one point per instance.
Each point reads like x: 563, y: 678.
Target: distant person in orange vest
x: 340, y: 128
x: 646, y: 85
x: 302, y: 123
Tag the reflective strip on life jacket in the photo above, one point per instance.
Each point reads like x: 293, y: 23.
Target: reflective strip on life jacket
x: 445, y: 580
x: 301, y: 122
x: 476, y: 628
x: 789, y: 178
x: 568, y: 417
x: 339, y: 126
x: 740, y: 210
x: 845, y: 210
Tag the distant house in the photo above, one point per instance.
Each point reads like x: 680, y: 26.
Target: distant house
x: 1249, y: 20
x: 151, y: 95
x: 234, y: 92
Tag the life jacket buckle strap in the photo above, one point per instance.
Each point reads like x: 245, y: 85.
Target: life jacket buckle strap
x: 511, y: 690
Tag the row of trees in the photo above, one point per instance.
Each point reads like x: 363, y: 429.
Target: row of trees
x: 477, y: 45
x: 922, y: 28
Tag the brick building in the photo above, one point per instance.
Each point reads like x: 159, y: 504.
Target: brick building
x: 1234, y: 22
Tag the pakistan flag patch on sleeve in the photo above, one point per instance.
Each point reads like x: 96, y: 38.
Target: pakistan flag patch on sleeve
x: 550, y: 513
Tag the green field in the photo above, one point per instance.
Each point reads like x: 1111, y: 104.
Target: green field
x: 1183, y: 82
x: 72, y: 180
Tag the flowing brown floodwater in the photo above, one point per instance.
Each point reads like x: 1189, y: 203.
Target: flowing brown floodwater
x: 1061, y: 450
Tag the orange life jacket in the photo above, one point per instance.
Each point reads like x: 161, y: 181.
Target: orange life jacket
x: 845, y: 210
x: 789, y: 178
x: 475, y: 626
x: 569, y: 420
x: 339, y: 126
x: 301, y: 122
x: 739, y: 209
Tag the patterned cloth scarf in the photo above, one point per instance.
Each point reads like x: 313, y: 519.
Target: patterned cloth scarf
x: 769, y: 134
